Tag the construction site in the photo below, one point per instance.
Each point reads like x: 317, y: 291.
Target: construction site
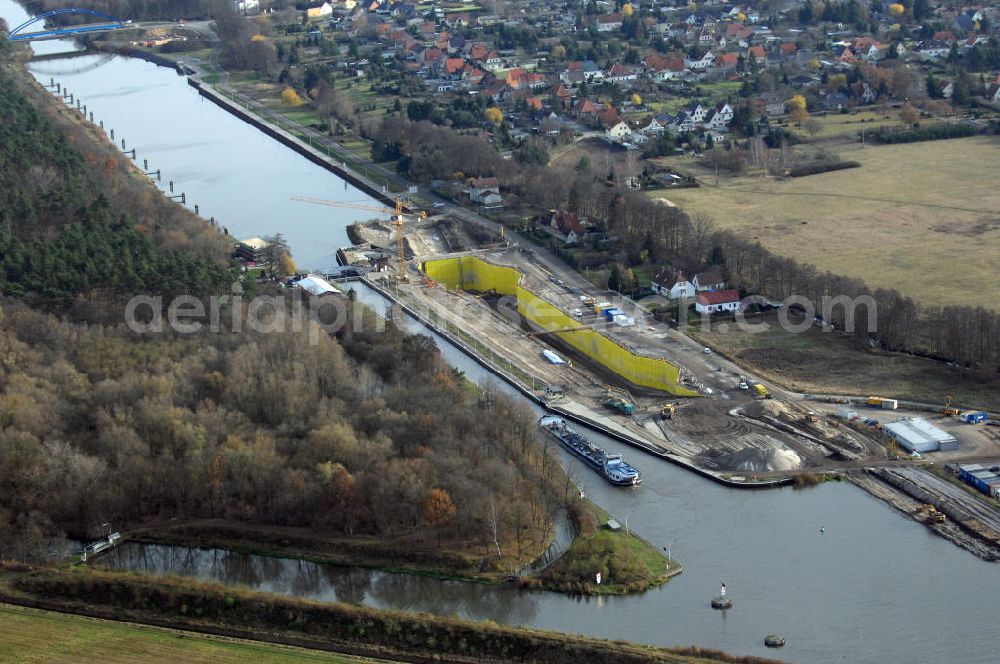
x: 603, y: 358
x: 599, y: 357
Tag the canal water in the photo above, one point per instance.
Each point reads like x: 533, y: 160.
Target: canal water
x: 874, y: 587
x: 232, y: 171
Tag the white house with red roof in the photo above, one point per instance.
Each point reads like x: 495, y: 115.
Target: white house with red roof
x: 711, y: 302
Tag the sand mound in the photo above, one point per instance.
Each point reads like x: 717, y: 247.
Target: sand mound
x: 755, y: 460
x: 774, y: 408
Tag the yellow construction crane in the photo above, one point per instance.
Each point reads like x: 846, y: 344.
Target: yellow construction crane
x: 398, y: 217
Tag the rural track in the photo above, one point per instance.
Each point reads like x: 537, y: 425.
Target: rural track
x: 987, y: 514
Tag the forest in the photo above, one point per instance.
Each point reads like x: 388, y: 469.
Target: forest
x: 367, y: 433
x: 69, y: 222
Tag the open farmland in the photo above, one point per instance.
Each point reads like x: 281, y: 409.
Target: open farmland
x: 30, y: 635
x: 923, y: 218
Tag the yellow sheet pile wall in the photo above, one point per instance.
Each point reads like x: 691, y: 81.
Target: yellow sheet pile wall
x: 471, y: 273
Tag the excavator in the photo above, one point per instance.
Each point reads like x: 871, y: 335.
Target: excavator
x: 948, y: 409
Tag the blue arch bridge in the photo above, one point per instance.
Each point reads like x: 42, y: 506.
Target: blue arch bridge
x: 107, y: 23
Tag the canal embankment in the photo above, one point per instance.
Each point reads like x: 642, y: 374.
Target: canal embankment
x: 217, y: 609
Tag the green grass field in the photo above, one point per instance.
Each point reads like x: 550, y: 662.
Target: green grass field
x: 627, y: 563
x: 849, y: 124
x: 31, y: 635
x: 921, y: 217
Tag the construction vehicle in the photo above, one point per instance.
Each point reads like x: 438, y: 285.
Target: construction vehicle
x: 949, y: 410
x: 619, y: 399
x: 668, y: 411
x: 761, y: 391
x: 933, y: 513
x: 399, y: 214
x: 621, y: 405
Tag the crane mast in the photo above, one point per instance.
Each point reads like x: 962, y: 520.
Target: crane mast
x: 398, y: 217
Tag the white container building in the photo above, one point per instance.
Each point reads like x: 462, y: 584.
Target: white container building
x: 919, y: 435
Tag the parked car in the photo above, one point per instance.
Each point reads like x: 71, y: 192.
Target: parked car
x: 707, y: 351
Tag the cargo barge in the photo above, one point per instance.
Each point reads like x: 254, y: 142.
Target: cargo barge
x: 610, y: 466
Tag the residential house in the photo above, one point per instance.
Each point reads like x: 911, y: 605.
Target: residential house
x: 965, y: 23
x: 727, y: 62
x: 608, y: 117
x: 609, y: 22
x: 863, y: 93
x: 652, y: 127
x: 975, y: 40
x: 453, y: 68
x: 477, y: 51
x: 563, y: 93
x: 683, y: 122
x: 326, y: 9
x: 591, y: 72
x: 672, y: 284
x: 698, y: 112
x: 473, y: 75
x: 485, y: 191
x: 708, y: 281
x: 700, y: 64
x: 804, y: 81
x: 247, y: 7
x: 568, y: 226
x: 718, y: 118
x: 619, y: 73
x: 586, y: 109
x: 662, y: 68
x: 835, y: 101
x: 933, y: 50
x: 710, y: 302
x: 774, y: 105
x: 618, y: 133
